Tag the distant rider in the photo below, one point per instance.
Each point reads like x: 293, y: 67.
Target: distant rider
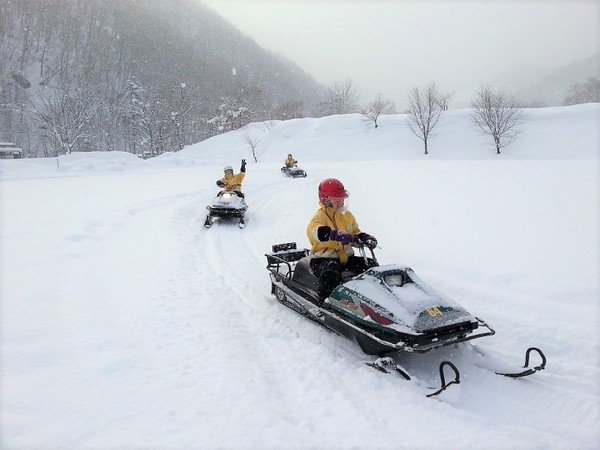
x: 231, y: 182
x: 290, y: 161
x: 331, y: 232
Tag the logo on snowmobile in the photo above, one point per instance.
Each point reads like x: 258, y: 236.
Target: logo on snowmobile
x: 379, y: 318
x: 434, y: 312
x: 348, y: 304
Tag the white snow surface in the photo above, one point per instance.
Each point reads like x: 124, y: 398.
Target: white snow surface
x: 126, y: 324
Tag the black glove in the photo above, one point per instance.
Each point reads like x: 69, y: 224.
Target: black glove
x: 323, y: 233
x: 243, y: 168
x: 220, y: 184
x: 367, y: 240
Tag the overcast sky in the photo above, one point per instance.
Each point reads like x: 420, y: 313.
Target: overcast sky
x: 388, y: 46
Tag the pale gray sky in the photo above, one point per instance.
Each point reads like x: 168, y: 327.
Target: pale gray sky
x: 389, y: 46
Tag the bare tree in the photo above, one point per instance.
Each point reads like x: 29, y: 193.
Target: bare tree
x: 182, y: 102
x: 443, y: 101
x: 496, y: 115
x: 341, y: 98
x: 62, y: 119
x: 252, y: 142
x: 147, y: 122
x: 424, y: 112
x: 376, y: 108
x: 229, y: 116
x: 238, y: 109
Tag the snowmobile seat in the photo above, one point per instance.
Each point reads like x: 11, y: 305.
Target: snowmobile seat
x: 304, y: 275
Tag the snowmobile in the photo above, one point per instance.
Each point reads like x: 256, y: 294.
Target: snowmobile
x: 386, y: 310
x: 228, y: 204
x: 293, y: 172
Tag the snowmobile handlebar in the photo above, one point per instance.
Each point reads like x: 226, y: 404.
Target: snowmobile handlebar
x: 362, y: 248
x: 360, y: 242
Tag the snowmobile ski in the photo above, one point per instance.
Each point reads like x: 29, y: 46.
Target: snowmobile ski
x: 525, y: 371
x: 528, y: 370
x: 383, y: 365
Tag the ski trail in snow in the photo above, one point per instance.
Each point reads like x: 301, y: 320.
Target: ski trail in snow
x: 245, y: 320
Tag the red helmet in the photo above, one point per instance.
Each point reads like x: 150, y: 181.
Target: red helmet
x: 331, y: 187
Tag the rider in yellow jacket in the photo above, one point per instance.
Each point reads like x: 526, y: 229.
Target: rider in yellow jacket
x: 326, y: 219
x: 290, y: 161
x: 233, y: 182
x: 331, y: 233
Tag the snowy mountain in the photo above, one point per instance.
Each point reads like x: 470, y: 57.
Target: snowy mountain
x: 144, y: 73
x: 126, y: 324
x: 545, y: 86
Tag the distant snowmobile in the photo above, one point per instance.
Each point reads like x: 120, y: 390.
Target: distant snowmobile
x: 293, y: 172
x: 385, y: 310
x: 227, y: 204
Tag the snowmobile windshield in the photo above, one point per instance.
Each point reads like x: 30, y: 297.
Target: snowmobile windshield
x: 395, y: 279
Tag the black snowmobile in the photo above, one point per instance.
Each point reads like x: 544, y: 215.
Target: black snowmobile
x: 227, y: 204
x: 385, y: 310
x: 294, y: 172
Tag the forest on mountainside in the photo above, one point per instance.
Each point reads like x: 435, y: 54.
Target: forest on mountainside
x: 140, y: 76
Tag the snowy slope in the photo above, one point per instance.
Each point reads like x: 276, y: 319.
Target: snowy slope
x: 126, y: 324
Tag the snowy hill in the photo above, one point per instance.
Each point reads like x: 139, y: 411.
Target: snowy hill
x: 127, y: 324
x: 543, y: 86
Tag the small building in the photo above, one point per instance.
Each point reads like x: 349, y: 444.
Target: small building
x: 8, y: 150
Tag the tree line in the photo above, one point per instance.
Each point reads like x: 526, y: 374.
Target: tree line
x: 494, y: 113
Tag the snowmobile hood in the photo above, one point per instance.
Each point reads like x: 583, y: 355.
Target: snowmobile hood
x: 226, y: 199
x: 394, y: 297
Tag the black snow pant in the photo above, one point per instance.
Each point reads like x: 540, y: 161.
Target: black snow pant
x: 329, y: 271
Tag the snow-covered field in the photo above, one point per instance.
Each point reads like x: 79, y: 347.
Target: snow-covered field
x: 126, y: 324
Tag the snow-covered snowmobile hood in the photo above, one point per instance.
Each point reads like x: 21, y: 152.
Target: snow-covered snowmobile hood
x: 394, y: 297
x: 226, y: 199
x: 296, y: 172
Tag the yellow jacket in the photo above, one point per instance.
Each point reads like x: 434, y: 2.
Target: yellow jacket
x: 290, y: 162
x: 234, y: 182
x: 336, y: 220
